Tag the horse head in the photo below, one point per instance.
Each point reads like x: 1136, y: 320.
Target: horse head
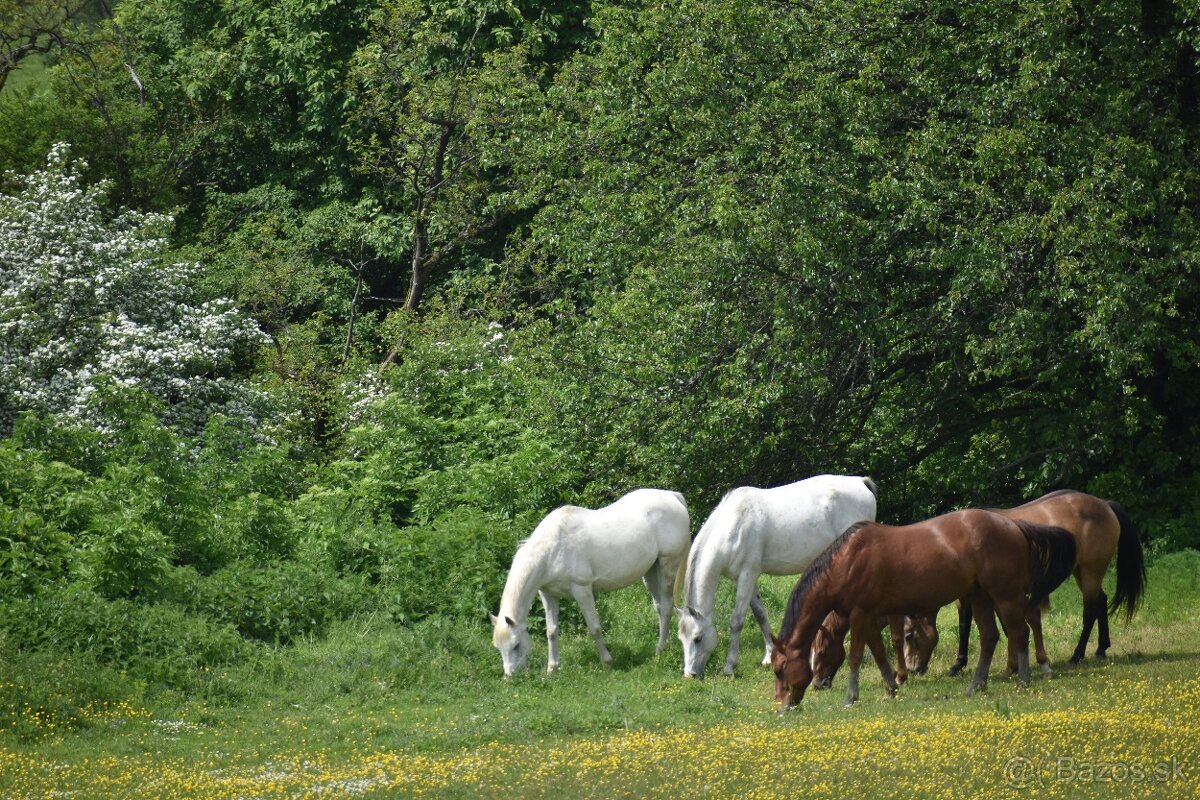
x: 699, y: 637
x: 828, y: 650
x: 513, y: 641
x: 793, y: 674
x: 920, y: 639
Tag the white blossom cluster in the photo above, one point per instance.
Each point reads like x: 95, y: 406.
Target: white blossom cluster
x: 87, y: 298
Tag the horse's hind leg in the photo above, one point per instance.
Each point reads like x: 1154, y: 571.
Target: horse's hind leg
x: 964, y: 636
x: 587, y: 604
x: 875, y: 642
x: 656, y: 581
x: 1013, y: 618
x: 983, y: 611
x: 760, y: 614
x: 550, y: 603
x: 1102, y: 617
x: 1091, y: 591
x: 1034, y: 618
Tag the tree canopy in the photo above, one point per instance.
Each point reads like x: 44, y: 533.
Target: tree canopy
x: 479, y: 258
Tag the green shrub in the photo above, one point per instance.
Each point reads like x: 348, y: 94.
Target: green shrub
x: 453, y: 566
x: 159, y: 642
x: 274, y: 603
x: 33, y: 552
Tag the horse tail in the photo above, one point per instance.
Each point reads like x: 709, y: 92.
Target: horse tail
x: 1051, y: 559
x: 1131, y: 566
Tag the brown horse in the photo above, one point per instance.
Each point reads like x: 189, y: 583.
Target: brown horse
x: 829, y: 652
x: 874, y: 570
x: 1101, y: 529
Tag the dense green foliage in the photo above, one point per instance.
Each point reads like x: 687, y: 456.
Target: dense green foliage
x: 507, y: 255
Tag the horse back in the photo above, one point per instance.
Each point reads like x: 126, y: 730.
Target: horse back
x: 1089, y: 519
x: 798, y: 521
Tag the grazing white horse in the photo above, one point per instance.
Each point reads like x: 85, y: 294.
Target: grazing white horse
x: 754, y: 531
x: 575, y: 551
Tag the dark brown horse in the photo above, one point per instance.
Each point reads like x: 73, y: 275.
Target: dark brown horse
x: 874, y: 571
x: 1101, y: 529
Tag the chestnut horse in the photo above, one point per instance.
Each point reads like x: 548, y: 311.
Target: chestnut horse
x: 874, y: 570
x: 1101, y: 529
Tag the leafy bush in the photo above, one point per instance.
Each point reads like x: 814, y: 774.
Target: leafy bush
x: 453, y: 566
x: 274, y: 603
x: 33, y: 552
x: 160, y: 642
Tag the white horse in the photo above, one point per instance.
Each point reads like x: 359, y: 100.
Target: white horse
x: 575, y: 551
x: 751, y: 531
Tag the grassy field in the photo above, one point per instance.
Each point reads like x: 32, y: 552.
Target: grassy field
x: 378, y: 711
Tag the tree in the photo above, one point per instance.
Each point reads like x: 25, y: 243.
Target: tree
x: 34, y: 26
x: 87, y: 298
x: 446, y: 91
x: 866, y: 238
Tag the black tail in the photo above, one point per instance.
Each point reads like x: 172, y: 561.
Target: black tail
x: 1051, y: 559
x: 1131, y: 566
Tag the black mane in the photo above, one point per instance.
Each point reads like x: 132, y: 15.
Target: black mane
x: 813, y: 575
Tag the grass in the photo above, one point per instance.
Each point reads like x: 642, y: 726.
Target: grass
x: 377, y: 711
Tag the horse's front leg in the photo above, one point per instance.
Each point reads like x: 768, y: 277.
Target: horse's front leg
x: 746, y: 589
x: 854, y: 661
x: 587, y: 604
x: 550, y: 603
x: 896, y: 626
x: 964, y: 636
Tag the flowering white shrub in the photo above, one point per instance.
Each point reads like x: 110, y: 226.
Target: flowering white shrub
x: 86, y: 297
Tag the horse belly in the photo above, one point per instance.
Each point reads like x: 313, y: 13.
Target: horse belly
x: 620, y: 568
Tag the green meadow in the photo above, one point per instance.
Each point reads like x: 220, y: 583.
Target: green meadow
x: 379, y: 710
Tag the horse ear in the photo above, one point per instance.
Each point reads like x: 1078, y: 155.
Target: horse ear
x: 492, y: 617
x: 694, y: 613
x: 778, y: 645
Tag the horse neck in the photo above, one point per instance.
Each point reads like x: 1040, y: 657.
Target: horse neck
x: 811, y: 614
x: 704, y: 569
x: 524, y: 580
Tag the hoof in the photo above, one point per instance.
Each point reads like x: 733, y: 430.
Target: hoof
x: 955, y: 670
x: 1046, y: 671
